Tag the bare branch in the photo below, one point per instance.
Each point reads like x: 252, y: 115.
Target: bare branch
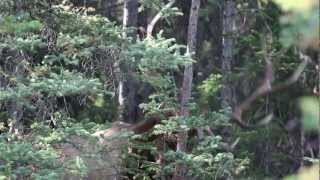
x: 157, y: 17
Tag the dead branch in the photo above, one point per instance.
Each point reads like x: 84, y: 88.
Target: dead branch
x: 157, y: 17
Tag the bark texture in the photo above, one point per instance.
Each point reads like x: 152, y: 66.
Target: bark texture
x: 181, y: 170
x: 130, y: 13
x: 228, y: 27
x: 127, y: 86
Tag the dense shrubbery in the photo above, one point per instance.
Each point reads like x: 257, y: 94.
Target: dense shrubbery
x: 59, y: 68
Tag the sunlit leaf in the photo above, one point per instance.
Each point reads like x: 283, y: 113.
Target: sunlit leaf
x: 306, y: 174
x: 297, y: 5
x: 310, y: 107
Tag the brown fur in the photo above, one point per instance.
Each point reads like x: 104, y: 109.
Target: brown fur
x: 110, y: 168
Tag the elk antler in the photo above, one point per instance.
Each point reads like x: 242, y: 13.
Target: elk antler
x: 264, y: 89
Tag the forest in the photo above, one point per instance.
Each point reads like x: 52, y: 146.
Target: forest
x: 159, y: 90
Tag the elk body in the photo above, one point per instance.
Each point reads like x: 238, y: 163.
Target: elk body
x: 102, y: 153
x: 107, y: 144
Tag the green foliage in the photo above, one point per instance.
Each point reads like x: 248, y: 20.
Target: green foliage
x: 301, y: 29
x: 58, y: 85
x: 21, y: 159
x: 59, y: 68
x: 158, y: 6
x: 209, y: 89
x: 306, y: 173
x: 211, y: 85
x: 301, y: 25
x: 9, y: 24
x: 37, y: 157
x: 310, y: 107
x: 206, y: 162
x: 83, y: 45
x: 154, y: 58
x: 207, y: 159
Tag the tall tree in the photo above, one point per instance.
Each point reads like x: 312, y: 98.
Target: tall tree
x: 229, y: 12
x: 126, y: 87
x: 130, y: 13
x: 187, y: 82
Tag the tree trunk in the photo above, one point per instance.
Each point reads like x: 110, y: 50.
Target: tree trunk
x: 127, y: 88
x: 318, y: 68
x: 181, y: 170
x: 229, y: 12
x: 130, y: 14
x: 15, y: 109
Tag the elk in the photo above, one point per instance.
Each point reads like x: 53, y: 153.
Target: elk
x: 107, y: 165
x: 112, y: 170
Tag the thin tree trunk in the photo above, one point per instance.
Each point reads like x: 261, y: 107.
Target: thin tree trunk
x: 126, y: 88
x: 16, y: 110
x: 181, y: 170
x: 130, y: 14
x: 16, y: 126
x: 318, y: 68
x: 302, y: 146
x: 229, y: 11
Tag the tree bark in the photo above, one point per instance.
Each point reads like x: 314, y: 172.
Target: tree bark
x: 130, y: 13
x: 228, y: 27
x: 127, y: 88
x: 181, y: 170
x: 15, y: 109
